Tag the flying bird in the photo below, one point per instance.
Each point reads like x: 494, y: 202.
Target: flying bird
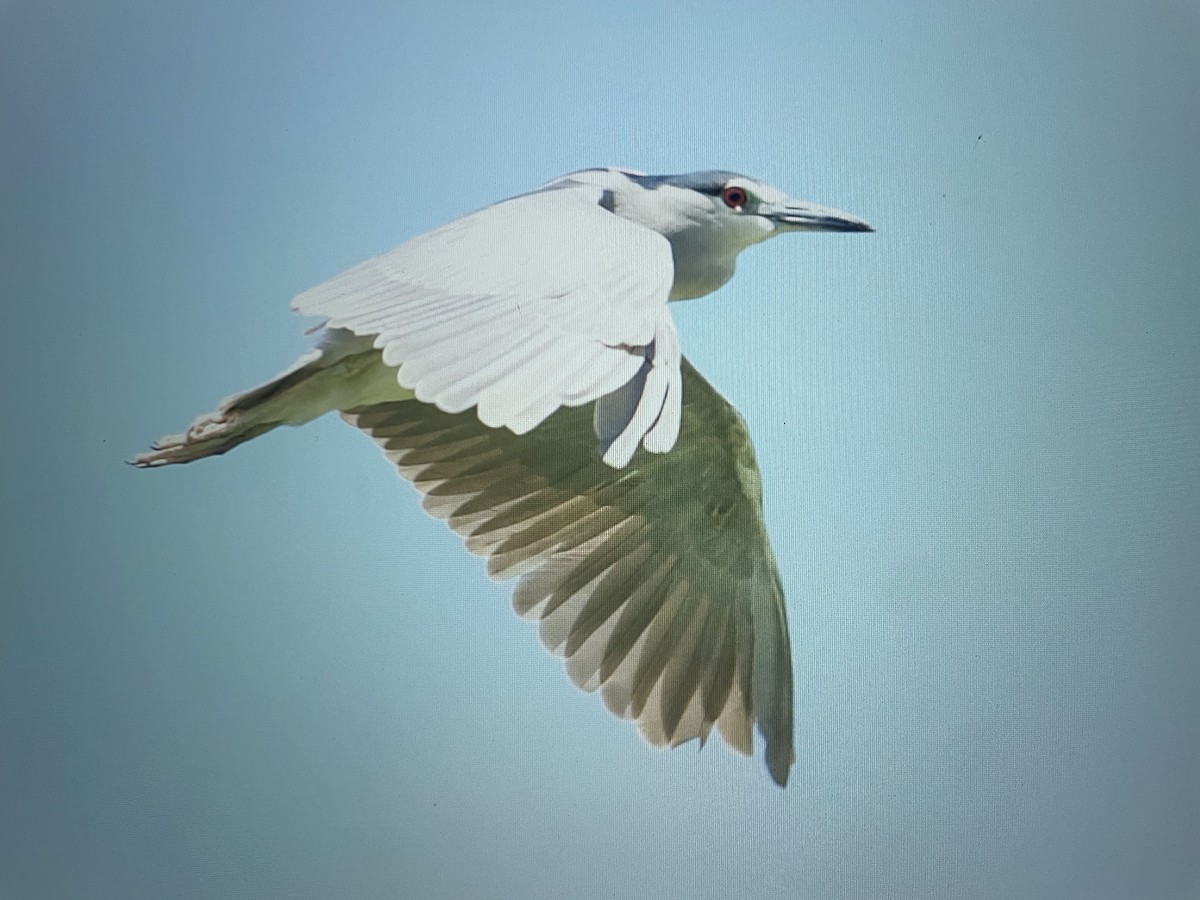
x: 521, y: 368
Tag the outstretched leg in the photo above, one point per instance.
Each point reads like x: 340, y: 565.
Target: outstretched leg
x: 342, y: 372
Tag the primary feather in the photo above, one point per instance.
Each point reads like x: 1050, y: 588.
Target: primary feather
x: 655, y: 582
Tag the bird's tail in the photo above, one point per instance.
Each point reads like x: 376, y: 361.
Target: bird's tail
x: 340, y: 373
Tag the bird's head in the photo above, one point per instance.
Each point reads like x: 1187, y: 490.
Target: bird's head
x: 710, y: 217
x: 749, y: 209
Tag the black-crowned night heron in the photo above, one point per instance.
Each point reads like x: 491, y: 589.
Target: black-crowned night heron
x: 635, y: 528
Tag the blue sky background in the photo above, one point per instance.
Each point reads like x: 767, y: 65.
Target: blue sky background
x: 271, y: 675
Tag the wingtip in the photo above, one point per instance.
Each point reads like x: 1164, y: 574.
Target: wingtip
x: 779, y: 769
x: 779, y: 755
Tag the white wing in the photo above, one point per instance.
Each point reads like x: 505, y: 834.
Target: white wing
x: 541, y: 301
x: 656, y: 582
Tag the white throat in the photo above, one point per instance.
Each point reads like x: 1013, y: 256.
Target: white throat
x: 705, y: 237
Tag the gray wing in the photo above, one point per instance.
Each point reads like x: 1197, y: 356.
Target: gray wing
x: 655, y: 582
x: 540, y: 301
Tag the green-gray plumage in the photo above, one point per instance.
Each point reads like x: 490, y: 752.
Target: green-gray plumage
x: 670, y: 551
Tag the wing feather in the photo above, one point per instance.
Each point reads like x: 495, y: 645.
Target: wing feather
x: 541, y: 301
x: 655, y: 581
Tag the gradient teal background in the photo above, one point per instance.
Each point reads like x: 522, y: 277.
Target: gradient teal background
x: 272, y: 676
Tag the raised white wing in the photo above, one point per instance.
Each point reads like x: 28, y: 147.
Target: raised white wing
x: 656, y: 582
x: 537, y: 302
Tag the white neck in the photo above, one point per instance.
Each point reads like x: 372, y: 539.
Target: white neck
x: 705, y: 237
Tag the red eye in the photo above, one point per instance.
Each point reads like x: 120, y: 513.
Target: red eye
x: 734, y: 197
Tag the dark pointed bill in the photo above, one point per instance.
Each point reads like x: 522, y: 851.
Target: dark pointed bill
x: 810, y: 217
